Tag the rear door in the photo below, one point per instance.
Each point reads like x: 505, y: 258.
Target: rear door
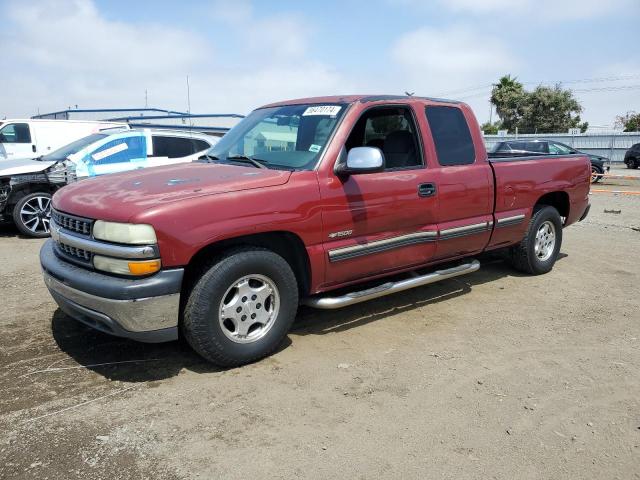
x: 464, y: 182
x: 17, y: 140
x: 380, y: 222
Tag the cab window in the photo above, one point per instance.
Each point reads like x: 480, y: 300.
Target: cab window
x: 15, y: 133
x: 393, y: 131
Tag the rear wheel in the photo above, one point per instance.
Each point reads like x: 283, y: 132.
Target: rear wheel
x: 241, y: 308
x: 32, y: 214
x: 539, y: 249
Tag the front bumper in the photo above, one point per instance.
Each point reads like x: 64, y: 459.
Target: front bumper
x: 144, y: 309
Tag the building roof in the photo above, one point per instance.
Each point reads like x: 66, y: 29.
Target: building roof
x: 109, y: 110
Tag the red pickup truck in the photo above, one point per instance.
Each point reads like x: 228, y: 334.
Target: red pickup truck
x: 322, y: 201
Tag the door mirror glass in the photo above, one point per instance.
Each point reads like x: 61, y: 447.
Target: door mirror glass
x: 362, y: 160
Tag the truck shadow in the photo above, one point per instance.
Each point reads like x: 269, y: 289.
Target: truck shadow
x: 311, y: 321
x: 128, y: 361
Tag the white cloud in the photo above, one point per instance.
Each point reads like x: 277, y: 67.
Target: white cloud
x: 435, y: 61
x: 281, y: 36
x: 65, y: 52
x: 532, y: 10
x: 602, y: 106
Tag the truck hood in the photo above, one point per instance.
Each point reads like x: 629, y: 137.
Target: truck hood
x: 119, y: 197
x: 22, y: 166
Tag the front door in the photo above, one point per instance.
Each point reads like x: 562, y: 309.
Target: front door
x: 377, y: 223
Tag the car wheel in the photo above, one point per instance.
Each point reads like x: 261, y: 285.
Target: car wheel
x: 32, y: 214
x: 596, y: 174
x: 538, y: 251
x: 633, y: 163
x: 241, y: 308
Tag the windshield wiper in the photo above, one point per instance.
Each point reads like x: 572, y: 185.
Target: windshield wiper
x: 208, y: 158
x: 243, y: 158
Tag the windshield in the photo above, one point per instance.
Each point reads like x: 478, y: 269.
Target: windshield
x: 74, y: 147
x: 291, y: 137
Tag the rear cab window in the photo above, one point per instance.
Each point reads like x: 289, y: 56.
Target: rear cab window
x: 451, y: 135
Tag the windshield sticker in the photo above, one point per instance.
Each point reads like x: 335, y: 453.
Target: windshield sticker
x: 315, y: 148
x: 331, y: 110
x: 110, y: 151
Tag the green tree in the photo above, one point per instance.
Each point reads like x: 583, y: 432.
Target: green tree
x: 550, y: 110
x: 509, y: 98
x: 490, y: 128
x: 630, y: 122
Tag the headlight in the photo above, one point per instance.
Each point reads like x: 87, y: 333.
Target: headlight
x: 126, y: 267
x: 124, y: 233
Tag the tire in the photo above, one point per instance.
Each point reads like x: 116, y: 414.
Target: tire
x: 633, y: 163
x: 221, y: 291
x: 32, y: 214
x: 595, y: 171
x: 524, y: 256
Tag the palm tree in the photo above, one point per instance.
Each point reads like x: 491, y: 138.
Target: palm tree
x: 508, y: 96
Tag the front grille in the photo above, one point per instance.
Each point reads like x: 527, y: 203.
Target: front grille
x: 77, y: 253
x: 70, y: 222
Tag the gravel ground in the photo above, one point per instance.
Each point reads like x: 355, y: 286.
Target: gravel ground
x: 492, y: 375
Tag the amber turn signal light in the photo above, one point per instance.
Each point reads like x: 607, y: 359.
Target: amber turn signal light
x: 145, y: 267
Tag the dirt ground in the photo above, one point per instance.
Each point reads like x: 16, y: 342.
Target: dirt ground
x: 492, y: 375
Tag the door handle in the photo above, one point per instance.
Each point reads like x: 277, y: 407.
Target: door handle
x: 427, y: 189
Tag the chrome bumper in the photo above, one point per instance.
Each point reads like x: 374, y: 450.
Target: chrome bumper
x: 134, y: 313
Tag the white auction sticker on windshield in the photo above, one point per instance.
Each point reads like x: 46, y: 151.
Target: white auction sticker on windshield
x: 331, y: 110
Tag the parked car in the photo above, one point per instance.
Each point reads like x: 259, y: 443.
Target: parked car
x: 32, y: 138
x: 632, y: 157
x: 517, y: 148
x: 26, y: 185
x: 349, y: 191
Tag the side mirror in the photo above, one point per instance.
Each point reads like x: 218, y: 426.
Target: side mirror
x: 360, y: 160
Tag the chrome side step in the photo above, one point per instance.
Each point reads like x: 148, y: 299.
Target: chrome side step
x: 330, y: 303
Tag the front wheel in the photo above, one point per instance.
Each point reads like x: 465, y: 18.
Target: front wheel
x: 539, y: 249
x: 241, y: 308
x: 596, y: 175
x: 32, y: 214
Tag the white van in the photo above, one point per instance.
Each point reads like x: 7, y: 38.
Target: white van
x: 33, y: 138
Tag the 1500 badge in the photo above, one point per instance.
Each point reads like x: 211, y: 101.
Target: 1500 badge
x: 343, y: 233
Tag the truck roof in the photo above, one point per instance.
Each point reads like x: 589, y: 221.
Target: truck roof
x: 357, y: 98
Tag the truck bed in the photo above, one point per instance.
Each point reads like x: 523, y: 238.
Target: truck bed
x: 521, y: 181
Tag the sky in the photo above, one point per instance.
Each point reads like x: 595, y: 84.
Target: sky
x: 241, y: 54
